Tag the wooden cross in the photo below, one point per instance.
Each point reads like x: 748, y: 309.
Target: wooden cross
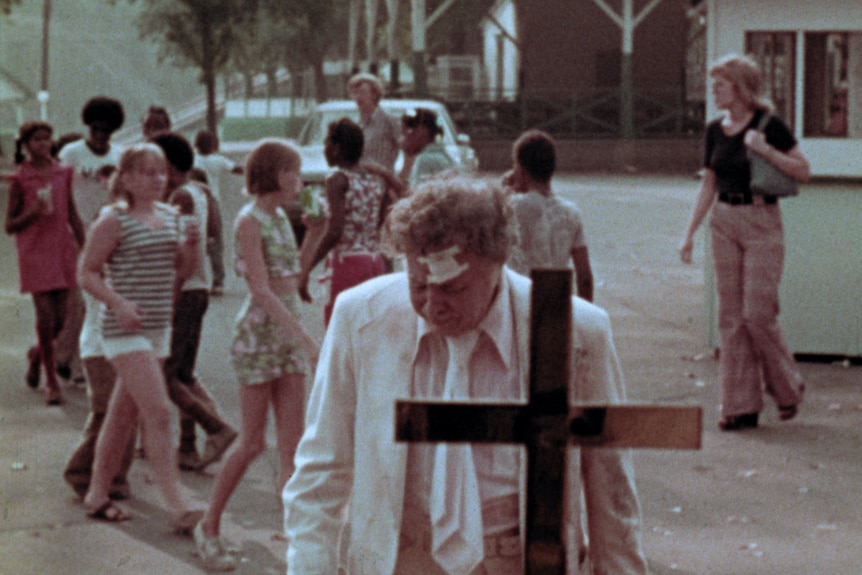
x: 547, y: 424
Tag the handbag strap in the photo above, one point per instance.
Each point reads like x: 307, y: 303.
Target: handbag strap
x: 760, y: 126
x: 763, y: 121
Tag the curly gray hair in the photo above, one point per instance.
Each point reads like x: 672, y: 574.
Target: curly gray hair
x: 472, y: 212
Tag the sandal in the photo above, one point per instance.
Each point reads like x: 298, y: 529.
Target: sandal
x: 54, y: 397
x: 185, y: 523
x: 212, y: 552
x: 738, y: 422
x: 787, y: 413
x: 120, y: 491
x: 110, y: 512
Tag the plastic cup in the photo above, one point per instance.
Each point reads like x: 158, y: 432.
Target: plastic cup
x: 44, y: 194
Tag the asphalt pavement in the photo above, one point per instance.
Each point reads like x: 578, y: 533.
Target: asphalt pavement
x: 781, y: 499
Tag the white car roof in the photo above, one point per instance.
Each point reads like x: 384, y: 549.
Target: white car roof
x: 386, y: 103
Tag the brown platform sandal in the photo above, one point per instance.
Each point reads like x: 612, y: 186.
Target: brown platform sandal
x: 787, y: 413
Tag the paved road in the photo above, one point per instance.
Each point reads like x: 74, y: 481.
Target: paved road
x: 778, y: 500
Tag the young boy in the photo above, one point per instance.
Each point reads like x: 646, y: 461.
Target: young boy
x: 214, y: 165
x: 189, y: 309
x: 551, y: 229
x: 81, y: 336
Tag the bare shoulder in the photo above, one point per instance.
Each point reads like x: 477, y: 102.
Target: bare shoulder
x: 110, y: 214
x: 246, y: 223
x: 337, y: 179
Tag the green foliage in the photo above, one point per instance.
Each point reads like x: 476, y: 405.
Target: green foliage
x: 250, y: 129
x: 313, y: 28
x: 261, y: 45
x: 195, y: 32
x: 6, y: 5
x: 198, y: 33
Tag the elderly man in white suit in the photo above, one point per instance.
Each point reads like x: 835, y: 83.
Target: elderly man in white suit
x: 454, y: 325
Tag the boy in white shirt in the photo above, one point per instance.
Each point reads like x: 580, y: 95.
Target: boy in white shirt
x: 551, y: 229
x: 214, y: 165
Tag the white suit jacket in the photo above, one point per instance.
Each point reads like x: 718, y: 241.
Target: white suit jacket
x: 348, y: 452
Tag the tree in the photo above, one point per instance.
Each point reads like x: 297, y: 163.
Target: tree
x: 197, y: 33
x: 6, y: 5
x: 261, y: 49
x: 314, y: 28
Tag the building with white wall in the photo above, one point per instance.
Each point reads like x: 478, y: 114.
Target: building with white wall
x: 811, y: 55
x: 500, y: 51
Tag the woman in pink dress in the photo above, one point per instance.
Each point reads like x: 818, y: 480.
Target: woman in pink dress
x: 48, y: 233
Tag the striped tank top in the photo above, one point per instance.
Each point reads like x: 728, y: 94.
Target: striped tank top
x: 142, y: 270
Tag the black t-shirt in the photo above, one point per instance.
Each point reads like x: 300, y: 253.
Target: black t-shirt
x: 727, y: 156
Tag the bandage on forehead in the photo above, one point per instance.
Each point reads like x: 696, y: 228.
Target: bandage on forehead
x: 442, y: 265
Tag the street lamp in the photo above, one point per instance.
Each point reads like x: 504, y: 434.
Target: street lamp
x: 43, y: 98
x: 43, y: 92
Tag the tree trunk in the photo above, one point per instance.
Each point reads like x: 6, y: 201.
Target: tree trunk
x: 320, y: 92
x: 208, y: 69
x: 248, y: 82
x: 271, y: 84
x: 212, y: 116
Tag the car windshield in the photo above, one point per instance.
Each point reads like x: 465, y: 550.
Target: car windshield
x: 314, y: 131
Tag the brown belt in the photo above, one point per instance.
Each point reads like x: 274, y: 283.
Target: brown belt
x: 746, y: 199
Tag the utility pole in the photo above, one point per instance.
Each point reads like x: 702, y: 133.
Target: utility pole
x: 420, y: 25
x: 392, y: 47
x: 43, y: 86
x: 420, y: 76
x: 628, y: 22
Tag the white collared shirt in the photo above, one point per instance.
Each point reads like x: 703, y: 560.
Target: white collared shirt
x: 493, y: 377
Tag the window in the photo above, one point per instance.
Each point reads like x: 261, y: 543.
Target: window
x: 775, y: 53
x: 833, y: 77
x: 832, y: 97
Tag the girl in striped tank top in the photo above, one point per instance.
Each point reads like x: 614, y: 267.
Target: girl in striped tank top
x: 132, y: 257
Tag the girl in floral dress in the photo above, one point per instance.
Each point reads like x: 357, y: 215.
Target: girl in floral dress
x: 271, y: 350
x: 357, y: 199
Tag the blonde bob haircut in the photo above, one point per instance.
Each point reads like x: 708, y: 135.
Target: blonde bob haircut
x: 745, y: 76
x: 131, y: 160
x: 471, y: 212
x: 269, y: 158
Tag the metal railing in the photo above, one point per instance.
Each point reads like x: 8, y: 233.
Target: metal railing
x: 582, y: 115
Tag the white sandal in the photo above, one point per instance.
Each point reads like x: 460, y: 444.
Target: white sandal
x: 212, y: 552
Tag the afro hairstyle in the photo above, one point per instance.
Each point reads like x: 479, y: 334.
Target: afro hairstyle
x: 177, y: 150
x: 105, y: 110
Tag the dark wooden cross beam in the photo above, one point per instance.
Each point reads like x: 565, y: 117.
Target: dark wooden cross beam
x: 547, y: 424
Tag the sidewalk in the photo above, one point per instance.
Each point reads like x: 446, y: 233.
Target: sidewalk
x: 782, y: 499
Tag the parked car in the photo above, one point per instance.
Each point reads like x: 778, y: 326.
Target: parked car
x: 314, y: 167
x: 311, y: 137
